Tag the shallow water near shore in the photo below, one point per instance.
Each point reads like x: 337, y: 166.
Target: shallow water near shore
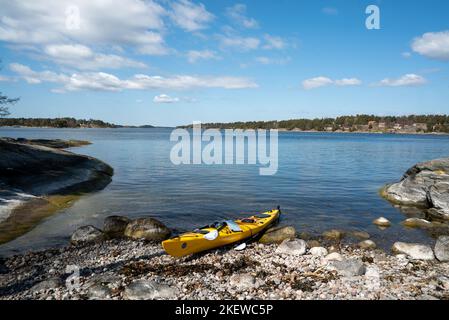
x: 324, y: 181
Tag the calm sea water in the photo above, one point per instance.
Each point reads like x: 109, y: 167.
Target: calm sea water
x: 325, y: 180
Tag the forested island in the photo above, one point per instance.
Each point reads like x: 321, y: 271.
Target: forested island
x: 357, y: 123
x: 61, y: 123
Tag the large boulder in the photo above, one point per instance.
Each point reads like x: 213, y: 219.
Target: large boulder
x: 149, y: 290
x: 278, y: 234
x: 442, y: 248
x: 295, y: 247
x: 114, y: 226
x: 148, y: 229
x: 414, y: 250
x: 86, y: 234
x: 425, y: 185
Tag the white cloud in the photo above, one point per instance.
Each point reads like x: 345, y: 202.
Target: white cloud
x: 82, y: 57
x: 190, y: 16
x: 330, y: 11
x: 318, y: 82
x: 240, y: 43
x: 101, y: 81
x: 404, y: 81
x: 238, y: 14
x: 274, y: 42
x: 163, y: 98
x: 434, y: 45
x: 195, y: 55
x: 348, y: 82
x: 268, y: 61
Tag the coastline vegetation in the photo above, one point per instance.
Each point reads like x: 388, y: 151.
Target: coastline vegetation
x: 357, y: 123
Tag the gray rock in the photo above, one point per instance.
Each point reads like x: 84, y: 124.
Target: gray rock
x: 114, y: 226
x: 367, y: 245
x: 49, y: 284
x: 147, y: 229
x: 295, y: 247
x: 99, y: 292
x: 278, y: 234
x: 425, y: 184
x: 442, y: 248
x: 349, y: 267
x: 149, y: 290
x: 86, y: 234
x: 413, y: 250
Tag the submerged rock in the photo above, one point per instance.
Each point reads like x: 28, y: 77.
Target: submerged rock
x: 334, y: 234
x: 442, y: 248
x: 425, y: 184
x: 114, y: 226
x: 413, y: 250
x: 148, y: 229
x: 362, y: 235
x: 382, y: 222
x: 149, y: 290
x: 417, y: 223
x: 295, y: 247
x: 86, y: 234
x: 278, y: 234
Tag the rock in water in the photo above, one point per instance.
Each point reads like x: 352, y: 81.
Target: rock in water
x: 426, y: 185
x: 442, y: 248
x: 417, y: 223
x: 149, y: 290
x: 413, y: 250
x: 86, y: 234
x: 295, y: 247
x: 278, y: 234
x: 334, y: 234
x: 367, y: 244
x: 318, y: 251
x: 348, y: 268
x: 114, y: 226
x: 148, y: 229
x: 382, y: 222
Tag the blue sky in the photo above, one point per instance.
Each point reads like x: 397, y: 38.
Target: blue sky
x: 171, y: 62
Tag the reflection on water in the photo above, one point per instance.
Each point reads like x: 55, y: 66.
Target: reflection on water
x: 324, y: 181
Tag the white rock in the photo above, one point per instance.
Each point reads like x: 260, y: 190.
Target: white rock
x: 318, y: 251
x: 382, y: 222
x: 334, y: 256
x: 413, y: 250
x: 442, y: 248
x: 348, y: 268
x: 295, y: 247
x: 243, y: 282
x: 149, y: 290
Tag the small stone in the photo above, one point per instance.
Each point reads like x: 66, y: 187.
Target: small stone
x: 278, y: 234
x: 243, y: 282
x: 348, y: 268
x: 99, y: 292
x: 442, y: 248
x: 318, y: 251
x: 382, y: 222
x: 292, y: 247
x: 114, y: 226
x: 313, y: 243
x: 413, y: 250
x: 334, y: 256
x: 86, y: 234
x: 149, y: 290
x: 367, y: 245
x: 416, y: 223
x: 49, y: 284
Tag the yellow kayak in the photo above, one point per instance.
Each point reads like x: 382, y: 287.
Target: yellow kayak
x: 220, y: 234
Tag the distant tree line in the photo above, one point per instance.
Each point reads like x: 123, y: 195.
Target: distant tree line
x: 434, y: 123
x: 56, y: 123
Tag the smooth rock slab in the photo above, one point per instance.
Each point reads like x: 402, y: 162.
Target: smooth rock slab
x: 86, y: 234
x: 149, y: 290
x: 278, y: 234
x: 414, y: 250
x: 295, y: 247
x: 442, y: 248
